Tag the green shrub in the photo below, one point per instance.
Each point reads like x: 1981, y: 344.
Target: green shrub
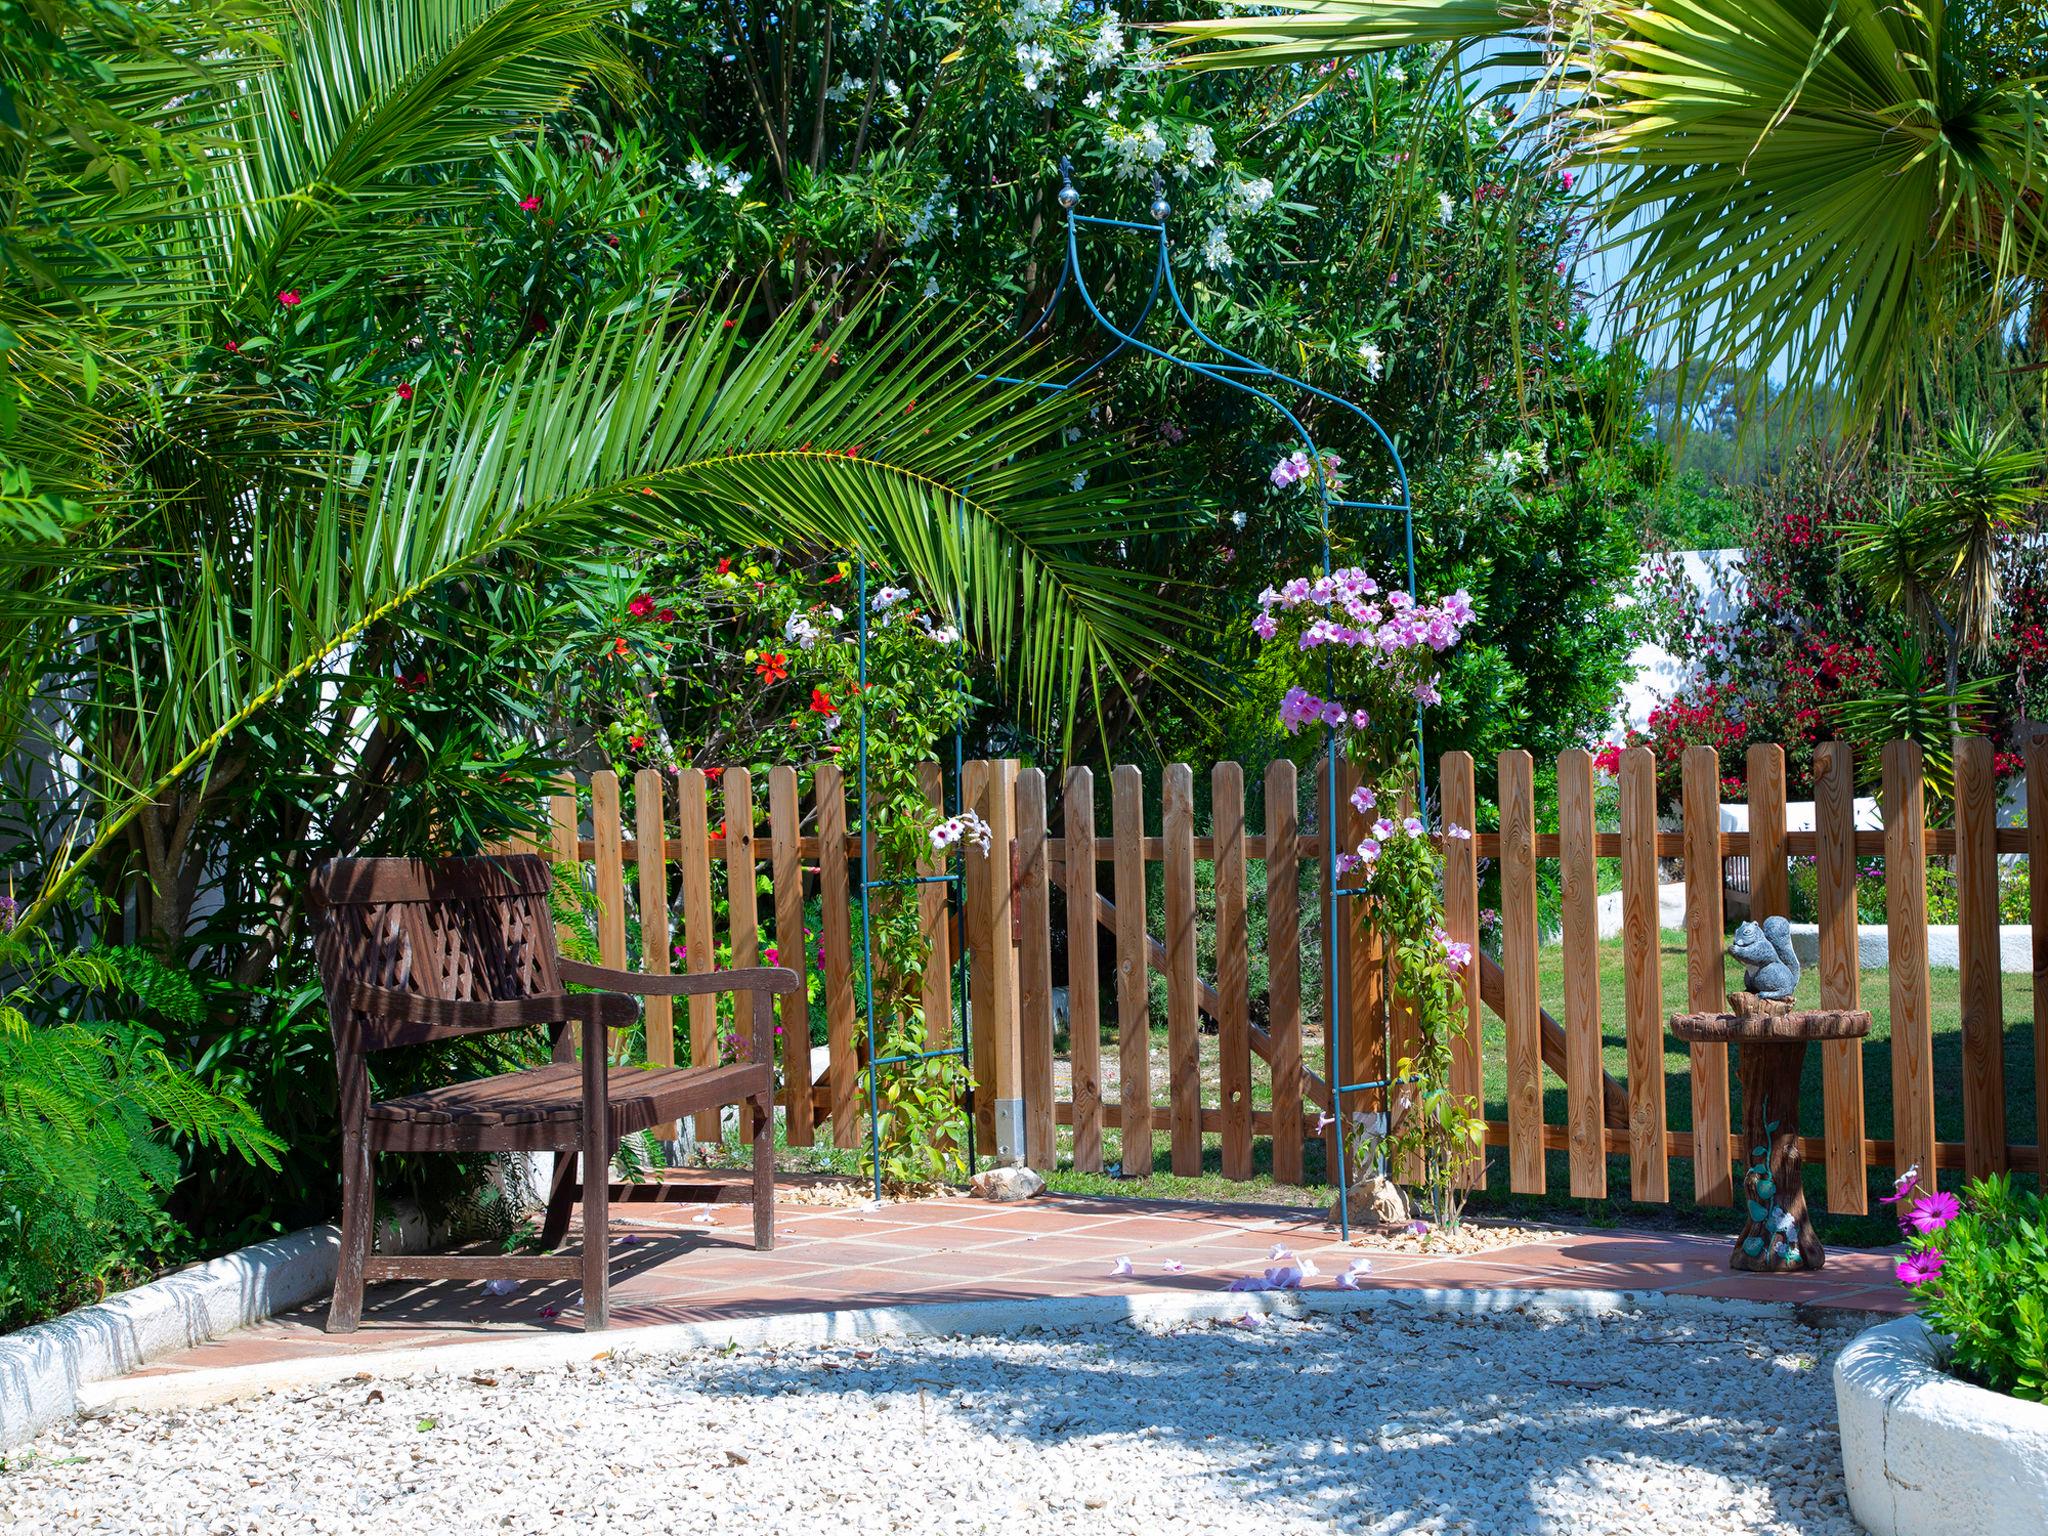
x: 1980, y: 1269
x: 86, y: 1110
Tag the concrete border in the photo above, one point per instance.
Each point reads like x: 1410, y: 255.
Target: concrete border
x: 1925, y: 1454
x: 201, y: 1388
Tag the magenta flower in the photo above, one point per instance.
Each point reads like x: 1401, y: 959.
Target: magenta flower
x: 530, y: 202
x: 289, y: 298
x: 1901, y: 1186
x: 1932, y: 1213
x: 1919, y: 1268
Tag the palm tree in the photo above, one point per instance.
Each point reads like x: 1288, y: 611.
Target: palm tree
x: 248, y: 548
x: 1843, y: 186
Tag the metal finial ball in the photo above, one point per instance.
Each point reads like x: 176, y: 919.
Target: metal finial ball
x: 1069, y: 197
x: 1160, y: 209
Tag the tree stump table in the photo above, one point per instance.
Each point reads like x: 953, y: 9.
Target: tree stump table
x: 1778, y: 1236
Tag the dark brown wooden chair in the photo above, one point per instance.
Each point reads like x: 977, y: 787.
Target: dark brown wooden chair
x: 411, y: 952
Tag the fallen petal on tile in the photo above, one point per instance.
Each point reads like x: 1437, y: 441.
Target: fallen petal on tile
x: 1174, y: 1267
x: 500, y: 1287
x: 1122, y: 1266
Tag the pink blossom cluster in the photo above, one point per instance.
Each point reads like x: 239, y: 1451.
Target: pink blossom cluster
x: 1925, y: 1217
x: 1457, y: 954
x: 1300, y: 707
x: 1361, y: 616
x: 1293, y: 468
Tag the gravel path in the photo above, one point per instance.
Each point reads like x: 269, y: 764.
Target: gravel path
x: 1389, y: 1420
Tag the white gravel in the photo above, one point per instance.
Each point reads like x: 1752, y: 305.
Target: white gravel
x: 1392, y: 1420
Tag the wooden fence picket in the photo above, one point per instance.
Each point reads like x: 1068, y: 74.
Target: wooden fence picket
x: 1977, y: 937
x: 1905, y: 899
x: 1518, y: 962
x: 933, y: 925
x: 1283, y: 966
x: 1706, y: 973
x: 650, y: 843
x: 1233, y: 968
x: 842, y: 1067
x: 1183, y: 1024
x: 978, y: 898
x: 1459, y: 794
x: 743, y: 923
x: 1133, y: 991
x: 1034, y: 968
x: 1841, y: 986
x: 700, y: 932
x: 1649, y: 1164
x: 1769, y: 893
x: 1587, y: 1138
x: 792, y: 948
x: 1084, y: 1014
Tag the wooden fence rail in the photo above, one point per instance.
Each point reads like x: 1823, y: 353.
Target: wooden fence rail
x: 1156, y: 893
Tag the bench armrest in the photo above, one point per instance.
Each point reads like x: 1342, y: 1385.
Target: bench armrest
x: 765, y: 979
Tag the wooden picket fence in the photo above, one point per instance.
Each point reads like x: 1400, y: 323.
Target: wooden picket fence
x: 1044, y: 842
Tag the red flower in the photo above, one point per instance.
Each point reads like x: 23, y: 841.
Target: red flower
x: 772, y: 667
x: 289, y: 298
x: 234, y: 346
x: 405, y: 391
x: 641, y: 606
x: 667, y: 615
x: 725, y: 567
x: 834, y: 577
x: 530, y: 202
x: 714, y: 774
x: 728, y: 325
x: 635, y: 743
x: 619, y: 646
x: 821, y: 703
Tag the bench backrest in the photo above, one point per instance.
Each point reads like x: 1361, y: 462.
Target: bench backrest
x: 464, y: 930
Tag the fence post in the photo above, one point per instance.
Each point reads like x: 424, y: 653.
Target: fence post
x: 608, y: 859
x: 1977, y: 935
x: 835, y: 911
x: 700, y: 941
x: 1706, y: 974
x: 991, y: 789
x: 1769, y: 890
x: 743, y: 919
x: 650, y: 849
x: 1841, y: 985
x: 1457, y: 788
x: 1649, y: 1160
x: 1183, y: 1023
x: 1905, y: 899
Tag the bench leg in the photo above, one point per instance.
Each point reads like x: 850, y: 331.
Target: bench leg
x: 358, y: 1219
x: 597, y: 1196
x: 763, y: 1111
x: 555, y: 1225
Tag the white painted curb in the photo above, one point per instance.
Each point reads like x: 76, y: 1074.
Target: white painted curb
x: 200, y: 1388
x: 1944, y: 946
x: 44, y: 1369
x: 1927, y: 1455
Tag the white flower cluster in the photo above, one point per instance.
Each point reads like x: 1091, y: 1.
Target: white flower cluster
x: 1374, y: 359
x: 1202, y: 148
x: 966, y: 827
x: 847, y: 85
x: 801, y: 631
x: 1137, y: 151
x: 929, y: 213
x: 1216, y: 251
x: 1251, y: 196
x: 729, y: 181
x: 888, y: 598
x: 1028, y: 18
x: 1108, y: 45
x: 1035, y: 62
x: 1510, y: 464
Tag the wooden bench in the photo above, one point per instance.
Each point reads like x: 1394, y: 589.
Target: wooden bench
x: 411, y: 952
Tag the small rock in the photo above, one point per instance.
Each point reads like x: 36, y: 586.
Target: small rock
x: 1007, y: 1184
x: 1376, y: 1201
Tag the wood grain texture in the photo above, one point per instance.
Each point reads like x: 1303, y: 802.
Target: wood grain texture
x: 1367, y: 1023
x: 933, y: 925
x: 1034, y: 969
x: 1283, y: 966
x: 1233, y: 969
x: 1769, y: 888
x: 1706, y: 970
x: 792, y: 949
x: 1183, y: 1023
x: 700, y: 933
x: 1006, y: 1047
x: 743, y: 920
x: 1977, y: 937
x: 1133, y: 1004
x: 1581, y: 936
x: 1791, y: 1024
x: 1905, y: 894
x: 1649, y: 1161
x: 1841, y: 986
x: 2037, y: 897
x: 835, y: 920
x: 609, y: 873
x: 1084, y: 1008
x: 1518, y: 963
x: 564, y: 845
x: 658, y: 1019
x: 978, y: 894
x: 1458, y: 793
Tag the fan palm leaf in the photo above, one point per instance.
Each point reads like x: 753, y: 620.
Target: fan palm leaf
x: 1837, y: 186
x: 628, y: 436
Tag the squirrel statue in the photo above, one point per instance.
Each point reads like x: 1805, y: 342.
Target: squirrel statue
x: 1770, y: 968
